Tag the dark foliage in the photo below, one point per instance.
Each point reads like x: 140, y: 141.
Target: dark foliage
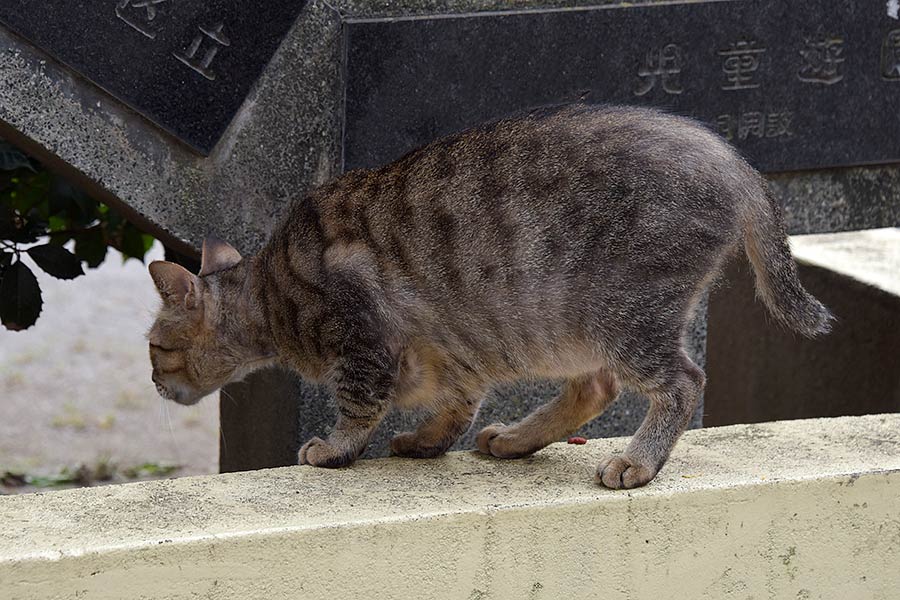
x: 40, y: 214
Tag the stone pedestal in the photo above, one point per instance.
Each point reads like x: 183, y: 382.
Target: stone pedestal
x: 760, y: 373
x: 356, y: 83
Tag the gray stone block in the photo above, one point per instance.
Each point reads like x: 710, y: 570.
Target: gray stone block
x: 286, y: 138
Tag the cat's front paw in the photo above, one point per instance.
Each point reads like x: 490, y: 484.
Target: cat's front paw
x: 319, y: 453
x: 504, y: 442
x: 622, y: 471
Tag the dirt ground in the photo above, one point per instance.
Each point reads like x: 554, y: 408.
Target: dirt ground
x: 75, y: 389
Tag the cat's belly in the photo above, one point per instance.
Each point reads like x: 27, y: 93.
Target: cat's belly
x: 427, y: 369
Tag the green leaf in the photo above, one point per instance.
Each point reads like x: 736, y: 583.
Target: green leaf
x: 148, y: 243
x: 27, y: 230
x: 133, y: 245
x: 20, y: 297
x: 56, y: 261
x: 32, y: 192
x: 56, y: 223
x: 90, y: 246
x: 12, y: 158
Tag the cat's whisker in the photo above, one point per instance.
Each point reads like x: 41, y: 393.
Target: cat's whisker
x: 229, y: 396
x: 172, y: 433
x: 222, y: 439
x: 162, y: 416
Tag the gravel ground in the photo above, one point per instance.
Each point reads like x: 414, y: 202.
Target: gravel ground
x: 75, y: 389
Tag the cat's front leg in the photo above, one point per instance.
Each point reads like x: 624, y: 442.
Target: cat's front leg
x: 364, y: 375
x: 363, y: 381
x: 362, y: 386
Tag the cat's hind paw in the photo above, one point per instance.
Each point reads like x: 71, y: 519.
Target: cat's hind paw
x: 621, y: 471
x: 410, y: 445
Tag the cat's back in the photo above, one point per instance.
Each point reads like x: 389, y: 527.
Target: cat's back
x: 557, y: 192
x: 540, y: 157
x: 565, y: 154
x: 582, y: 134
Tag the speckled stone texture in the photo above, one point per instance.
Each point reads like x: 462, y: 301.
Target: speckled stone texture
x: 839, y: 199
x: 285, y: 139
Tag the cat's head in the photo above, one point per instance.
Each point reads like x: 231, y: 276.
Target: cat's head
x: 199, y: 341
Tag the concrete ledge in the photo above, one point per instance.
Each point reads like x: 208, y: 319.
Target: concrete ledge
x: 870, y: 256
x: 801, y: 509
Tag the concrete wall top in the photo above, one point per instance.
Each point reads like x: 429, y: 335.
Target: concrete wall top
x: 871, y: 257
x: 141, y: 534
x: 67, y: 523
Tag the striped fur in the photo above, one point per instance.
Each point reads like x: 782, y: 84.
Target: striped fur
x: 570, y: 242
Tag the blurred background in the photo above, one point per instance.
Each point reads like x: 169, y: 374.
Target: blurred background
x: 77, y: 406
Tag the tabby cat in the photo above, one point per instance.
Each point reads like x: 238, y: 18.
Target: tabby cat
x: 569, y: 242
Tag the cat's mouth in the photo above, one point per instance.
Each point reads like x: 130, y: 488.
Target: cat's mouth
x: 165, y: 393
x: 175, y: 395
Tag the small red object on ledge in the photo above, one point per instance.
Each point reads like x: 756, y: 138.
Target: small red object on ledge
x: 577, y: 440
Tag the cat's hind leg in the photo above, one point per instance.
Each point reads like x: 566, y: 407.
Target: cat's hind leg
x: 672, y: 402
x: 582, y: 399
x: 450, y: 418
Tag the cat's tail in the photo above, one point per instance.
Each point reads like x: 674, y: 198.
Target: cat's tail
x: 777, y: 284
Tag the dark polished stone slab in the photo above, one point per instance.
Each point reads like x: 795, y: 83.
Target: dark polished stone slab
x: 794, y: 85
x: 185, y: 65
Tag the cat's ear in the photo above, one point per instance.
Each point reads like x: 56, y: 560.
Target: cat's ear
x: 176, y: 284
x: 217, y: 256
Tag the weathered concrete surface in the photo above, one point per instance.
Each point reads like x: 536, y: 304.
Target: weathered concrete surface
x: 871, y: 257
x: 802, y: 509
